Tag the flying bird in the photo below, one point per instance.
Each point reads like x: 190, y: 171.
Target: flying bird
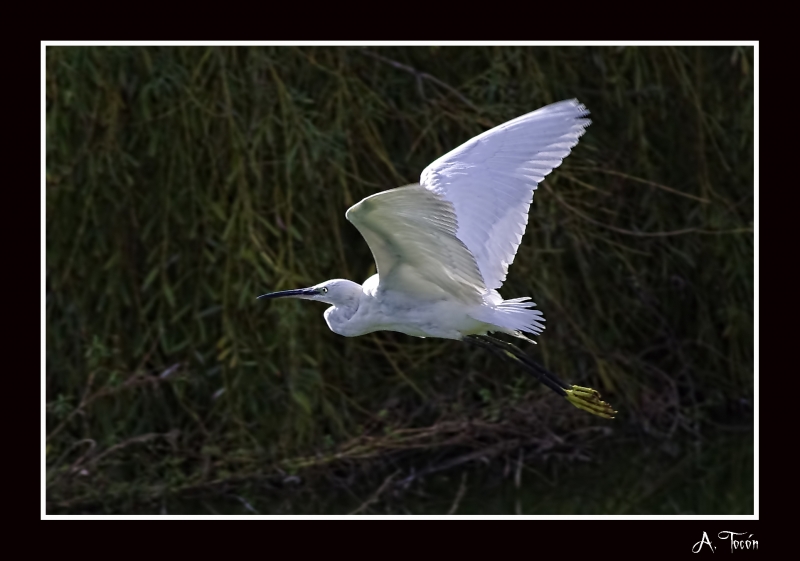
x: 442, y: 247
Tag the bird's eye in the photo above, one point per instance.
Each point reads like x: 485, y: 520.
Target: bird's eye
x: 324, y: 290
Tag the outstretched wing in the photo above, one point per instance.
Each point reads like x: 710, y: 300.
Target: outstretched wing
x: 412, y: 234
x: 490, y: 180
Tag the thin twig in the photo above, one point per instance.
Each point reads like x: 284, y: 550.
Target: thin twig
x: 124, y: 444
x: 643, y: 234
x: 646, y: 182
x: 134, y: 380
x: 460, y: 494
x: 420, y: 76
x: 246, y: 504
x: 376, y: 495
x: 397, y: 368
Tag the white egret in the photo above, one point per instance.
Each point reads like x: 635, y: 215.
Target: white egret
x: 442, y: 247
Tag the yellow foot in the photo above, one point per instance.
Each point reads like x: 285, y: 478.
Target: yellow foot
x: 589, y: 400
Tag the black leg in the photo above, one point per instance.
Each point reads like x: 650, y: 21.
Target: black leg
x: 521, y: 355
x: 582, y: 398
x: 501, y: 349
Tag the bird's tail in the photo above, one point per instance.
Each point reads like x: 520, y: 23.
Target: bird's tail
x: 514, y: 317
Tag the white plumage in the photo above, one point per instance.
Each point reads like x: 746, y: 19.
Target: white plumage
x: 490, y: 180
x: 442, y: 247
x: 455, y: 233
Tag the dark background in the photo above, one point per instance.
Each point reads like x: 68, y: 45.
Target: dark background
x: 184, y: 181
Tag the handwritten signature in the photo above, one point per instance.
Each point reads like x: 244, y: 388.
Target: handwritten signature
x: 746, y: 543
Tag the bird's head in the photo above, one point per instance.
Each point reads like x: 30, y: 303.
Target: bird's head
x: 335, y: 292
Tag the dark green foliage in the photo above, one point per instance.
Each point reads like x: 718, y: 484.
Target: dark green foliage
x: 182, y: 182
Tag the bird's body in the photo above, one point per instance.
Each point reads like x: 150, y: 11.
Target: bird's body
x: 443, y: 247
x: 373, y: 309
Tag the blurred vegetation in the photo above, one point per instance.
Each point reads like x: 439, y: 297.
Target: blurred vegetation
x: 182, y: 182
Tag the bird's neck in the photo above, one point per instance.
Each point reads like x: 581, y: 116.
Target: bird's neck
x: 341, y: 312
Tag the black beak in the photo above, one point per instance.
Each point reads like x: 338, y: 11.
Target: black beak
x: 297, y: 293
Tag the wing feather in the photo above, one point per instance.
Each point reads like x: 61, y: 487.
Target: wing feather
x: 490, y: 181
x: 411, y: 232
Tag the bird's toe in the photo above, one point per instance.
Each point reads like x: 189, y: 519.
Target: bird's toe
x: 589, y: 400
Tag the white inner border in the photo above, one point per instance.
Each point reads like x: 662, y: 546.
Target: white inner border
x: 755, y: 516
